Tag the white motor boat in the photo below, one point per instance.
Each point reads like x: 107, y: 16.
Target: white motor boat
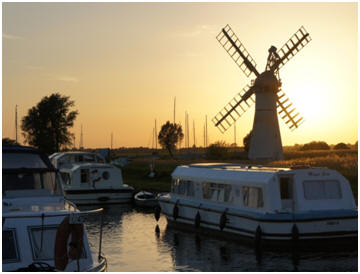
x: 263, y: 203
x: 95, y: 183
x: 87, y: 179
x: 42, y: 231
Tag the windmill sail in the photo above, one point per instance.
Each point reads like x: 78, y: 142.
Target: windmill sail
x: 237, y: 51
x: 299, y: 40
x: 234, y: 109
x: 287, y: 111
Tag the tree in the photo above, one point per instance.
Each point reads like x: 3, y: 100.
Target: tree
x: 314, y: 145
x: 47, y: 124
x: 341, y: 146
x: 217, y: 150
x: 246, y: 142
x: 169, y: 135
x: 9, y: 142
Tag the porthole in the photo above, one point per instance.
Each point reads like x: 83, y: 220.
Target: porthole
x: 106, y: 175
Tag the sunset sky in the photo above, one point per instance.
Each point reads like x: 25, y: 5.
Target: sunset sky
x: 123, y: 64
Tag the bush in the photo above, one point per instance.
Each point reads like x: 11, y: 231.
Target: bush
x: 341, y: 146
x: 218, y: 150
x: 314, y: 145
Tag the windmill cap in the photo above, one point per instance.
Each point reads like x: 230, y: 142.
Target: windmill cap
x: 272, y: 49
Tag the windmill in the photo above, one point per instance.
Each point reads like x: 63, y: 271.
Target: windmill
x: 265, y: 91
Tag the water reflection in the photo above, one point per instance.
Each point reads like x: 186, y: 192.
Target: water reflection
x: 134, y: 241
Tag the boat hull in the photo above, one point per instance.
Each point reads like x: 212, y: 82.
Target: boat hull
x: 273, y: 227
x: 99, y: 196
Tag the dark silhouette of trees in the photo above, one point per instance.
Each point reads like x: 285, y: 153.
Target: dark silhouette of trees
x: 315, y: 145
x: 217, y: 150
x: 47, y: 124
x: 246, y: 142
x: 341, y: 146
x: 9, y: 142
x: 169, y: 135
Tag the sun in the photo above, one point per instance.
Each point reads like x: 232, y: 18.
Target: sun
x: 308, y: 101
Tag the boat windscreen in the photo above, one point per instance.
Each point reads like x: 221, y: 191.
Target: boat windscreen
x: 31, y: 181
x: 22, y: 160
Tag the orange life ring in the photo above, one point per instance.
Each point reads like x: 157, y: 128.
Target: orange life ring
x: 62, y: 235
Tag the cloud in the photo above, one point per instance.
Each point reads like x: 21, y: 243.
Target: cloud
x: 31, y: 67
x: 68, y: 79
x: 11, y: 37
x: 198, y: 30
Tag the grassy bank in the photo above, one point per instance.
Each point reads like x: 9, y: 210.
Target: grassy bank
x: 344, y: 161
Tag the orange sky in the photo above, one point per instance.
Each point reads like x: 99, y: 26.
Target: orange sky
x: 123, y: 64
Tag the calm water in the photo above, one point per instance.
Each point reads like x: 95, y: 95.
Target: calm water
x: 130, y: 243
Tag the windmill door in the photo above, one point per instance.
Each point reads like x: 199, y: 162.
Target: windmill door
x: 286, y: 183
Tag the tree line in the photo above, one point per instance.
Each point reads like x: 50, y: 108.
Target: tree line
x: 47, y: 127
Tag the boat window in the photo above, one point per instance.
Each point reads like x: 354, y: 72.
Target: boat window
x: 106, y: 175
x: 322, y: 190
x: 89, y: 158
x: 10, y: 252
x: 85, y: 176
x: 286, y: 191
x: 183, y: 187
x: 190, y: 190
x: 43, y: 242
x: 31, y: 181
x: 21, y: 160
x: 228, y: 194
x: 65, y: 177
x: 175, y: 185
x: 217, y: 192
x: 99, y: 160
x: 252, y: 197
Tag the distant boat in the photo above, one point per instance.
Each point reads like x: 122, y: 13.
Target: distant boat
x: 146, y: 199
x: 88, y: 180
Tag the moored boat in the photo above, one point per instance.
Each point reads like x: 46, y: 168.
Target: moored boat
x: 95, y: 183
x: 42, y: 231
x: 253, y: 202
x: 87, y: 179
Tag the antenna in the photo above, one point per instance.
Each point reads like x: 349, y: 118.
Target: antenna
x: 156, y: 138
x: 174, y: 108
x: 81, y: 145
x: 194, y: 133
x: 16, y: 127
x: 206, y: 132
x: 204, y: 137
x: 188, y: 130
x: 235, y: 133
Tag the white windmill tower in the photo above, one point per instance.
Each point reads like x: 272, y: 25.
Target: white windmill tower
x: 265, y: 140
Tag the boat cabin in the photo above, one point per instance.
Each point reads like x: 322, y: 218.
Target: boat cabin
x: 91, y: 175
x: 60, y: 159
x: 263, y: 189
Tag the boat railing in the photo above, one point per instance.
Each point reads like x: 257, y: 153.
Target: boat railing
x: 75, y: 217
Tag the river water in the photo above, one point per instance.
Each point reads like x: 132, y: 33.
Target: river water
x: 130, y: 243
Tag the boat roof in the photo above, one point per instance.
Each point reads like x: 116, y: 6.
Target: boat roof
x: 30, y: 150
x: 224, y: 172
x: 58, y: 155
x: 75, y: 166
